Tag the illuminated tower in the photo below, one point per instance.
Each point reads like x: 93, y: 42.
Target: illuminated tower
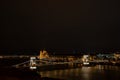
x: 43, y: 54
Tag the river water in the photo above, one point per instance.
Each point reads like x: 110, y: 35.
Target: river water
x: 98, y: 72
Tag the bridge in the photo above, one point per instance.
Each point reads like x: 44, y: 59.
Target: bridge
x: 34, y: 63
x: 45, y: 60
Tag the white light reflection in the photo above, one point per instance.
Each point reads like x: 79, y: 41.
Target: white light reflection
x: 86, y: 73
x: 76, y: 72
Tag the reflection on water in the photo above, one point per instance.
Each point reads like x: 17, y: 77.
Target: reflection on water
x: 106, y: 67
x: 99, y: 72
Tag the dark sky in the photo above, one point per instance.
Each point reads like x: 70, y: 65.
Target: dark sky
x: 59, y: 25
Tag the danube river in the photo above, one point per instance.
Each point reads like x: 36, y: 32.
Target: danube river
x: 98, y: 72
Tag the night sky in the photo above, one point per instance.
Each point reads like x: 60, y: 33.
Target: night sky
x: 59, y: 25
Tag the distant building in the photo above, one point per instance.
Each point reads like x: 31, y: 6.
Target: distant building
x: 102, y: 56
x: 43, y: 54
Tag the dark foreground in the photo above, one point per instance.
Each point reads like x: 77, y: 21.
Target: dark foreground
x: 21, y: 74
